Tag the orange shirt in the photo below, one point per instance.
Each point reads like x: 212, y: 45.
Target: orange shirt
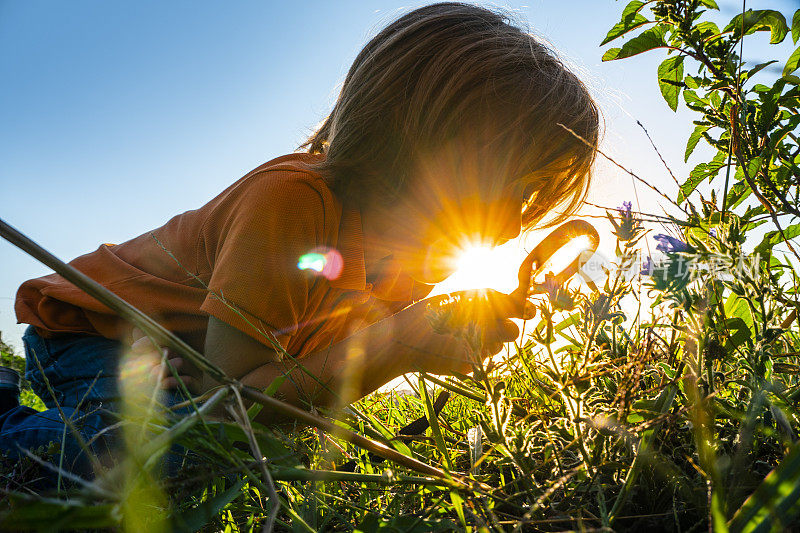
x: 235, y: 258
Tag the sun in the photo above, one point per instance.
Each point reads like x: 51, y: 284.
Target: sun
x: 475, y: 266
x: 484, y: 267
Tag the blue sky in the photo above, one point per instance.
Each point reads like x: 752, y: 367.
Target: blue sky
x: 116, y: 116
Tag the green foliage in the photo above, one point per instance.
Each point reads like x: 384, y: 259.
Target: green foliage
x: 670, y: 77
x: 647, y: 40
x: 743, y: 121
x: 9, y: 359
x: 773, y: 238
x: 735, y: 317
x: 774, y: 505
x: 631, y: 19
x: 760, y: 20
x: 792, y: 63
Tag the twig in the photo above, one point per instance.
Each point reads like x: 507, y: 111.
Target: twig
x: 659, y: 154
x: 99, y: 491
x: 630, y: 172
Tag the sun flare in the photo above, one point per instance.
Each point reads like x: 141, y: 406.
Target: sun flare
x: 484, y: 267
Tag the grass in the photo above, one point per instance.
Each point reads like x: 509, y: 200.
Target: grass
x: 599, y: 421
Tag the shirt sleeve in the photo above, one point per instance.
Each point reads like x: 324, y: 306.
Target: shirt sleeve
x: 255, y: 239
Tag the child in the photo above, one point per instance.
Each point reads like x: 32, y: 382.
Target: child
x: 452, y: 126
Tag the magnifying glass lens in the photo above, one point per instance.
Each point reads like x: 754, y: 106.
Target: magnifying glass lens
x: 560, y: 254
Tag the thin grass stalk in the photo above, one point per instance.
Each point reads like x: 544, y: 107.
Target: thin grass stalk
x: 89, y: 486
x: 68, y: 424
x: 299, y: 474
x: 256, y: 450
x: 112, y: 478
x: 643, y: 453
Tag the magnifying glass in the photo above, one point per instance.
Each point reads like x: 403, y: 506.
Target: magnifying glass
x: 567, y: 247
x: 564, y: 251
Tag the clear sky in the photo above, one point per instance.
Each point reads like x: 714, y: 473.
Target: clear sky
x: 115, y: 116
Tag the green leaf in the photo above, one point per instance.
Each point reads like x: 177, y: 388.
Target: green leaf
x: 759, y: 20
x: 623, y: 27
x: 796, y: 26
x: 736, y: 307
x: 774, y: 504
x: 688, y: 186
x: 272, y: 388
x: 570, y: 321
x: 699, y: 173
x: 711, y: 4
x: 647, y: 40
x: 631, y: 19
x: 774, y: 237
x: 748, y: 74
x: 694, y: 138
x: 195, y: 518
x: 792, y: 63
x: 611, y: 54
x: 671, y: 70
x: 693, y: 101
x: 753, y: 166
x: 458, y: 505
x: 739, y: 333
x: 376, y: 424
x: 738, y: 194
x: 707, y: 30
x: 692, y: 82
x: 433, y: 419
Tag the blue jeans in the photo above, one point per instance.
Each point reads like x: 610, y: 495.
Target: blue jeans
x: 82, y: 373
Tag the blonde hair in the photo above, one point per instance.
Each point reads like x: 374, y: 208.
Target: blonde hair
x: 448, y: 70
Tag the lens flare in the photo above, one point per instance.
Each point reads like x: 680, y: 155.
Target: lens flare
x: 325, y: 261
x: 314, y: 262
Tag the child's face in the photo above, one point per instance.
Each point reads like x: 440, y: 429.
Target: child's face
x: 451, y: 201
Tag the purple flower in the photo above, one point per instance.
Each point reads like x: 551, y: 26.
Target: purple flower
x: 713, y: 232
x: 670, y: 245
x: 549, y: 285
x: 559, y: 298
x: 647, y: 267
x: 629, y: 226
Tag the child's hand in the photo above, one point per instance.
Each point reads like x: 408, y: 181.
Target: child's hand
x: 447, y: 334
x: 187, y: 373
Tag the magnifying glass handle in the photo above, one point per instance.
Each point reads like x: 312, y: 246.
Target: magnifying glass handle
x: 557, y: 239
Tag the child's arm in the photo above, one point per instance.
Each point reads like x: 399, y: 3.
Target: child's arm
x: 351, y: 369
x: 360, y: 364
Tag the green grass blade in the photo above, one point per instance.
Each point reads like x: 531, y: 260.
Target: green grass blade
x: 776, y: 502
x: 196, y: 517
